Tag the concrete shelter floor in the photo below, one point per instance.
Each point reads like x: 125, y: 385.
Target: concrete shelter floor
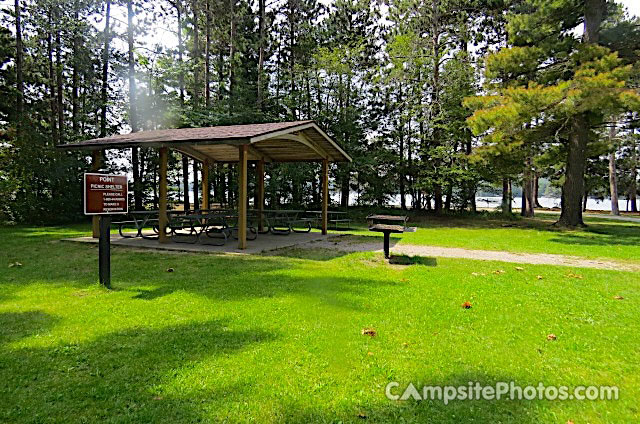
x: 263, y: 243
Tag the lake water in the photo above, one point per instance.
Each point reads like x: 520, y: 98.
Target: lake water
x: 495, y: 201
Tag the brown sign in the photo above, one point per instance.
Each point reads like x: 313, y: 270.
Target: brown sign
x: 105, y: 194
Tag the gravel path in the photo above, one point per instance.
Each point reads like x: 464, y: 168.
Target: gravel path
x: 353, y: 244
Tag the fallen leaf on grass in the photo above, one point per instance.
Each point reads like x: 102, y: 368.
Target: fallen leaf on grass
x: 369, y: 332
x: 498, y: 271
x: 519, y: 268
x: 169, y: 269
x: 551, y: 337
x: 15, y: 264
x: 539, y: 277
x: 569, y: 422
x: 618, y: 297
x: 370, y: 353
x: 572, y: 275
x: 466, y: 305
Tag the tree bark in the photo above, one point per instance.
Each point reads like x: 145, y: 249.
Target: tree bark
x: 573, y: 187
x: 401, y: 176
x: 59, y: 81
x: 53, y: 120
x: 634, y: 176
x: 196, y: 195
x: 506, y: 196
x: 178, y: 6
x: 185, y: 183
x: 613, y: 178
x: 133, y: 113
x: 76, y: 68
x: 344, y: 189
x: 196, y: 55
x: 207, y: 57
x: 536, y: 190
x: 292, y: 58
x: 105, y: 72
x: 261, y: 18
x: 19, y: 70
x: 232, y: 53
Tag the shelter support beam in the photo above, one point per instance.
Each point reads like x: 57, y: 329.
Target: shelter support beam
x: 325, y: 195
x: 260, y: 194
x: 205, y: 184
x: 162, y: 201
x: 242, y: 196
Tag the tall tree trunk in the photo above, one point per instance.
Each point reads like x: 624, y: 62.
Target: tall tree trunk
x: 59, y: 81
x: 178, y: 6
x: 401, y: 176
x: 506, y: 196
x: 133, y: 112
x: 232, y: 53
x: 186, y: 202
x: 292, y: 58
x: 573, y: 187
x: 19, y: 70
x: 185, y: 183
x: 105, y: 72
x: 76, y: 68
x: 447, y: 197
x: 196, y: 54
x: 53, y: 118
x: 613, y: 178
x: 344, y: 190
x: 261, y: 18
x: 435, y: 31
x: 528, y: 189
x: 634, y: 176
x: 207, y: 57
x: 196, y: 195
x: 536, y: 189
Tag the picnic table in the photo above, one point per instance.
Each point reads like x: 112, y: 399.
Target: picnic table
x: 139, y: 221
x: 335, y: 217
x: 387, y: 224
x: 217, y: 227
x: 284, y: 221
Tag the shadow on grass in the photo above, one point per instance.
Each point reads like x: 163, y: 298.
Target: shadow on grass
x: 119, y: 377
x: 423, y: 411
x: 154, y: 294
x: 221, y: 277
x: 599, y: 237
x: 412, y: 260
x: 15, y: 326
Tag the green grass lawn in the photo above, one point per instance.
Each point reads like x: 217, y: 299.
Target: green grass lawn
x: 278, y: 338
x: 602, y: 238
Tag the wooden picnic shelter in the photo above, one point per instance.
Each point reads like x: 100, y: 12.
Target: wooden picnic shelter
x: 297, y: 141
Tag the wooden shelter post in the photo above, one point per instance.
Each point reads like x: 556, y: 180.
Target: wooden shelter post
x: 242, y: 196
x: 96, y: 164
x: 162, y: 201
x: 325, y: 195
x: 260, y: 195
x: 205, y: 184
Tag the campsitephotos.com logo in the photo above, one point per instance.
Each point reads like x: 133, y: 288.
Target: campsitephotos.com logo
x: 500, y: 390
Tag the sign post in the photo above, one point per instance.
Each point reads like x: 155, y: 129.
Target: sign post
x: 105, y: 195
